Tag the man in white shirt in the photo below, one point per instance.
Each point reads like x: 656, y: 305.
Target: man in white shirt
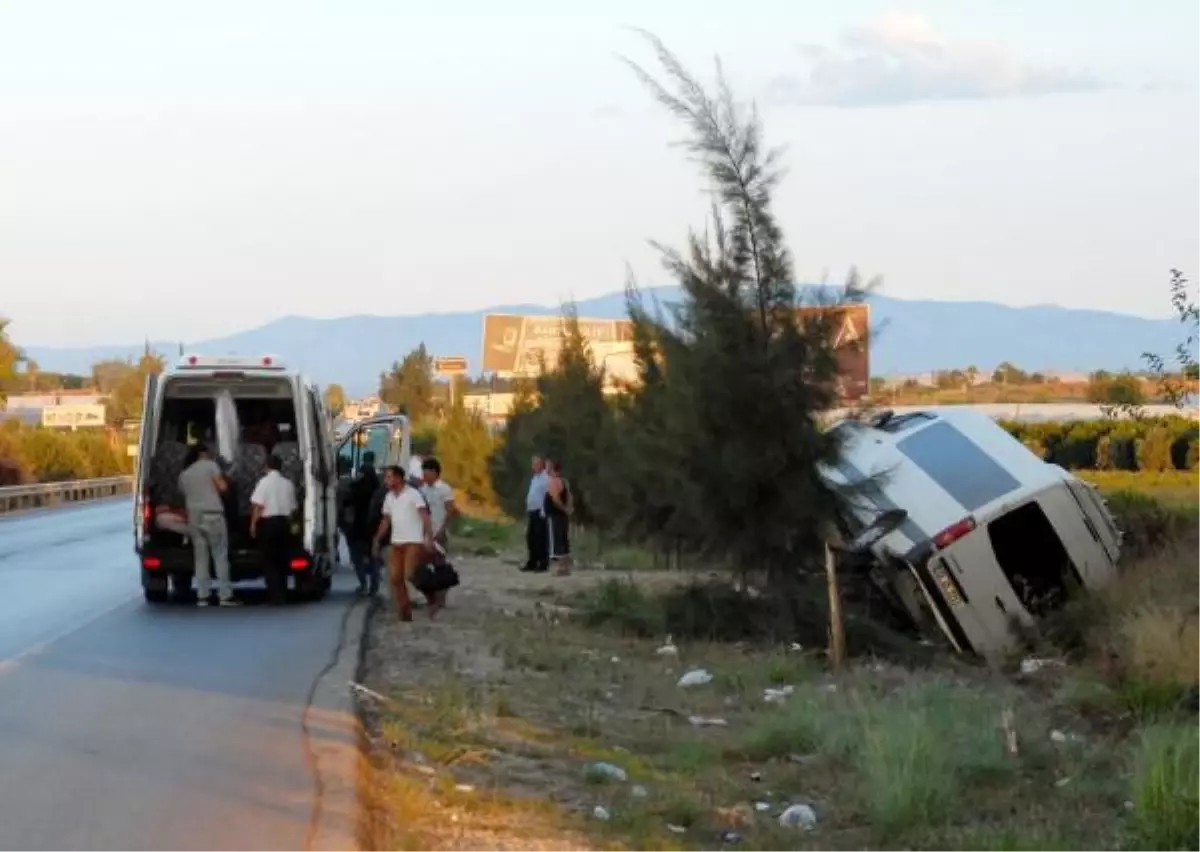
x: 440, y: 497
x: 537, y: 542
x: 406, y: 515
x: 272, y: 505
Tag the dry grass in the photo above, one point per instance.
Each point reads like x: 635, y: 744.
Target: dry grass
x: 521, y: 687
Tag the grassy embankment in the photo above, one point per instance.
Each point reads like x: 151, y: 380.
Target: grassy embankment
x: 491, y: 723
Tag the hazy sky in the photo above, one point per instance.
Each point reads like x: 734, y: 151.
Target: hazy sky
x: 185, y: 170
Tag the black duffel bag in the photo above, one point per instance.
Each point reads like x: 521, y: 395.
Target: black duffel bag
x: 433, y: 577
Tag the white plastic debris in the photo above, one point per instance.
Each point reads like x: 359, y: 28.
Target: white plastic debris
x: 777, y: 696
x: 607, y: 770
x: 465, y: 788
x: 730, y: 838
x: 797, y: 647
x: 1062, y: 782
x: 600, y: 812
x: 615, y: 660
x: 696, y: 677
x: 762, y: 807
x: 1058, y: 737
x: 1033, y: 665
x: 676, y: 829
x: 707, y: 721
x: 799, y: 816
x: 638, y: 791
x: 668, y: 649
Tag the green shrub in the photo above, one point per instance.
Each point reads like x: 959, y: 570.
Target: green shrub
x: 621, y: 604
x: 1154, y: 450
x: 424, y: 440
x: 1152, y: 444
x: 1148, y: 524
x: 1192, y: 459
x: 1166, y: 809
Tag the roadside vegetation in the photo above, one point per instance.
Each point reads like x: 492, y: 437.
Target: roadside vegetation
x: 501, y: 726
x: 37, y: 454
x: 675, y: 692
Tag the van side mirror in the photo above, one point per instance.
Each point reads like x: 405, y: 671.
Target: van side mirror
x: 883, y: 524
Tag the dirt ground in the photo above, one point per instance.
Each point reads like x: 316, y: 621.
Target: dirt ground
x: 499, y: 725
x: 452, y: 765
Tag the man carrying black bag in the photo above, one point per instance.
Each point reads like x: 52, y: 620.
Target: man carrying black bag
x: 435, y: 578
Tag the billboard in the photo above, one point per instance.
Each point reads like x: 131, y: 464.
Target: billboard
x: 516, y: 346
x: 852, y: 338
x: 73, y: 416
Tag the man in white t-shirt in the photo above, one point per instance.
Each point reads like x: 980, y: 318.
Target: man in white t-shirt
x: 440, y: 497
x: 406, y: 516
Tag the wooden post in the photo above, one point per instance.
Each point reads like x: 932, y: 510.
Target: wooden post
x: 837, y: 627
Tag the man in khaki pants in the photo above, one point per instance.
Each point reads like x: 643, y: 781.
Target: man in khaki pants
x: 406, y: 515
x: 202, y: 484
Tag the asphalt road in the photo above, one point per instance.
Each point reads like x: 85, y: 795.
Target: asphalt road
x: 127, y: 726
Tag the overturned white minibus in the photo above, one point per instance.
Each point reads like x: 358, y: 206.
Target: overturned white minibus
x: 983, y: 535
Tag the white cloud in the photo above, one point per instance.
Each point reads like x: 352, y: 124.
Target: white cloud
x: 900, y: 58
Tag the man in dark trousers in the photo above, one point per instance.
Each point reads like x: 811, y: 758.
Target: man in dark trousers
x: 273, y: 505
x: 537, y: 541
x: 363, y: 491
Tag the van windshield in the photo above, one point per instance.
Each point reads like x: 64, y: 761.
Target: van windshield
x: 958, y: 465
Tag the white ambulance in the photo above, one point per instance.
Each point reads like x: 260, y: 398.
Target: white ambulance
x: 245, y: 409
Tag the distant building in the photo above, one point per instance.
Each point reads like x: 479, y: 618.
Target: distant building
x: 38, y: 401
x: 492, y: 407
x: 362, y: 409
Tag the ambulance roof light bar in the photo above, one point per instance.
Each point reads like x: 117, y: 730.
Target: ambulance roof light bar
x: 229, y: 362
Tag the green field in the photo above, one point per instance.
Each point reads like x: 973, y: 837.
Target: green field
x: 1181, y: 487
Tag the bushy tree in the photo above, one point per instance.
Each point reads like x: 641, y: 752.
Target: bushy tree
x: 13, y: 468
x: 335, y: 399
x: 1009, y: 374
x: 563, y: 415
x: 464, y: 447
x: 509, y: 463
x: 408, y: 386
x: 1120, y: 391
x: 716, y: 449
x: 53, y: 457
x: 1177, y: 381
x: 123, y: 383
x: 10, y: 358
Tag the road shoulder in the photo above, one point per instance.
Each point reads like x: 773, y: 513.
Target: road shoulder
x: 332, y: 739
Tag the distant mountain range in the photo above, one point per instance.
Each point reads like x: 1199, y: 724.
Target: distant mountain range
x: 914, y: 336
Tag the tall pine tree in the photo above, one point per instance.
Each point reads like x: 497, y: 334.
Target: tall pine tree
x: 724, y: 439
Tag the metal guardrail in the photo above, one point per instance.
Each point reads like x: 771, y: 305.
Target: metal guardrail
x: 41, y: 495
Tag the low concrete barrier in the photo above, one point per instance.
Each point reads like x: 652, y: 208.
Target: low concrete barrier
x: 41, y: 495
